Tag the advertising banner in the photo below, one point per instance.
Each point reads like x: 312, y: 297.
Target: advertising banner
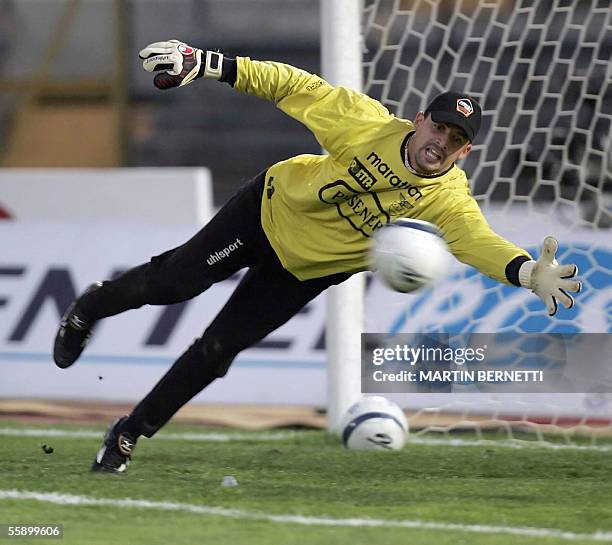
x: 44, y: 265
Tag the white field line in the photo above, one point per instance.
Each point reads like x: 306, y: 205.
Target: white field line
x: 208, y: 436
x: 264, y: 436
x: 509, y: 443
x: 69, y: 499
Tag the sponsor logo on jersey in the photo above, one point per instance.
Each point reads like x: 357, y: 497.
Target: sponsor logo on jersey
x: 270, y: 187
x: 465, y: 106
x: 387, y: 173
x: 361, y: 174
x: 363, y: 211
x: 314, y: 86
x: 401, y: 206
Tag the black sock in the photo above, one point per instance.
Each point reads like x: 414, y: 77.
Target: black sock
x: 189, y: 375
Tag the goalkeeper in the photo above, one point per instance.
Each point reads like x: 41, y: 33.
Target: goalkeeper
x: 302, y: 225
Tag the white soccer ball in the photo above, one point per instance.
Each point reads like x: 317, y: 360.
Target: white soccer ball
x: 374, y: 423
x: 409, y: 254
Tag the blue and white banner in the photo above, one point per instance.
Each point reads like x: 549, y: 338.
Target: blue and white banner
x: 44, y: 265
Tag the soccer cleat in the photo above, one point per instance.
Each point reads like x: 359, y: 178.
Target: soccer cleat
x: 73, y: 334
x: 116, y: 452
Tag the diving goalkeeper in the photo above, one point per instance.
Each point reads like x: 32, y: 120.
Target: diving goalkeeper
x: 302, y: 225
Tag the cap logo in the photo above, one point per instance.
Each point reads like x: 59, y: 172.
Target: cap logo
x: 465, y: 107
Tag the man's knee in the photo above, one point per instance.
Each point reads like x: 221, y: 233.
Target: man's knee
x: 216, y: 356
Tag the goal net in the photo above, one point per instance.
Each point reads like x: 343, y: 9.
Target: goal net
x: 541, y: 165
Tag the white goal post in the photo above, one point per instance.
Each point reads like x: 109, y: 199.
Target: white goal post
x: 542, y: 165
x: 341, y: 65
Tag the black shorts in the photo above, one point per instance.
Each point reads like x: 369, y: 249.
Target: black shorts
x: 266, y: 297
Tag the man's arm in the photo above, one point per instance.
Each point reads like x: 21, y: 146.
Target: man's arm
x: 472, y: 241
x: 178, y: 64
x: 305, y: 97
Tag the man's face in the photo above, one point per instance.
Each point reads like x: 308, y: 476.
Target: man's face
x: 434, y: 147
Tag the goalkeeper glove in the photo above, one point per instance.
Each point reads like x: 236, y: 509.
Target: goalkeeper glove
x: 179, y: 64
x: 549, y: 280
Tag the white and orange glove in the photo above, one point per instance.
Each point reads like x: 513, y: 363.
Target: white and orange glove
x: 549, y: 280
x: 180, y: 64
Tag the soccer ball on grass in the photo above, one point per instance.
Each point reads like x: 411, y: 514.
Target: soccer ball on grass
x: 374, y: 423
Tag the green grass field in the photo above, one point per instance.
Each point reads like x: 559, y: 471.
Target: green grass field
x: 302, y: 488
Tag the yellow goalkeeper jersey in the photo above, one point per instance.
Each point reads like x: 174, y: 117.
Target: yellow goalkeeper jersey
x: 319, y: 212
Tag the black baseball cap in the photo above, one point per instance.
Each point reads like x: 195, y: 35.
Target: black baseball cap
x: 459, y: 109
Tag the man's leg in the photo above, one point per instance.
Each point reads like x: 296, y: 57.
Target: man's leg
x: 266, y: 298
x: 232, y: 240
